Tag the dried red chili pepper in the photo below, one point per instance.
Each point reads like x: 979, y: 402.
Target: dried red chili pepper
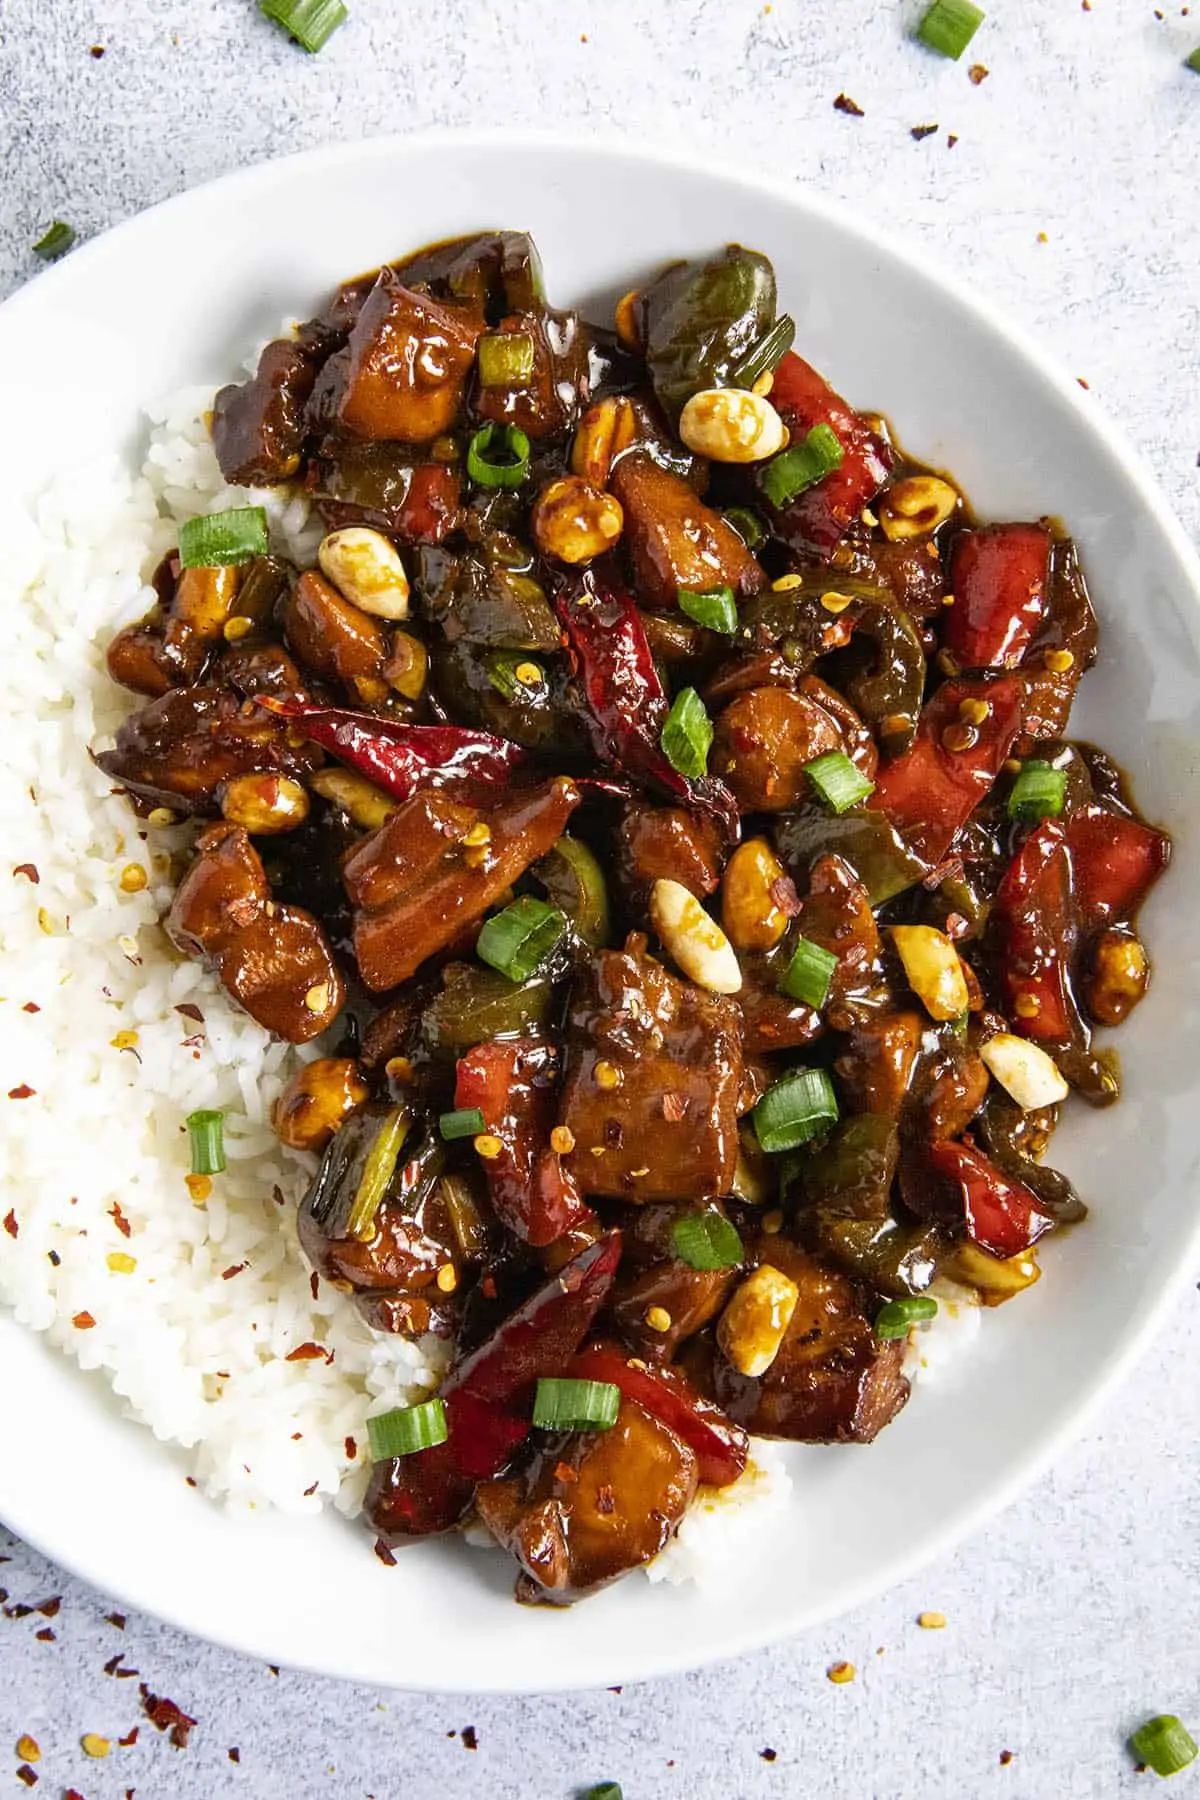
x: 816, y: 520
x: 532, y: 1190
x: 401, y: 758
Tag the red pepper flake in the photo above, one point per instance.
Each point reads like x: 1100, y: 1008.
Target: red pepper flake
x: 274, y: 1668
x: 117, y: 1619
x: 187, y: 1011
x: 978, y: 73
x: 470, y: 1738
x: 190, y: 1479
x: 97, y: 50
x: 24, y: 1092
x: 769, y: 1755
x: 130, y: 1738
x: 72, y: 1794
x: 29, y: 871
x: 83, y: 1321
x: 119, y: 1220
x: 1087, y: 385
x: 384, y: 1554
x: 26, y: 1774
x: 951, y: 140
x: 1006, y: 1757
x: 956, y: 925
x: 127, y: 1674
x: 351, y: 1449
x: 308, y: 1353
x: 844, y: 104
x: 922, y: 131
x: 19, y: 1611
x: 606, y: 1500
x: 166, y: 1716
x: 674, y: 1106
x: 314, y: 1283
x: 564, y: 1472
x: 234, y: 1269
x: 51, y: 1608
x: 234, y: 1754
x: 45, y: 1636
x: 488, y: 1287
x: 53, y: 1258
x: 10, y: 1224
x: 31, y: 1006
x: 114, y: 1663
x: 616, y: 1690
x: 783, y: 894
x: 310, y: 1491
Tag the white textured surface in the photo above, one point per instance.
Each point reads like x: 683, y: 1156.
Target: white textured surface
x: 1074, y: 1614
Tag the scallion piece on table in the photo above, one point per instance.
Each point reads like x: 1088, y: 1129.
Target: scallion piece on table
x: 687, y: 734
x: 463, y: 1122
x: 206, y: 1132
x: 768, y: 353
x: 809, y: 973
x: 605, y: 1790
x: 801, y: 465
x: 498, y: 456
x: 565, y: 1405
x: 797, y: 1109
x: 311, y: 22
x: 894, y: 1319
x: 1165, y: 1744
x: 949, y: 26
x: 407, y: 1429
x: 214, y: 539
x: 839, y: 785
x: 55, y: 242
x: 748, y: 525
x: 1193, y: 61
x: 504, y: 358
x: 518, y: 940
x: 711, y: 607
x: 705, y: 1240
x: 1039, y: 792
x: 377, y: 1173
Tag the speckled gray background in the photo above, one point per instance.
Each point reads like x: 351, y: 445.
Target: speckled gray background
x: 1076, y: 1612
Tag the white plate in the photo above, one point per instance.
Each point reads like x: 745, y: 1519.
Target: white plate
x: 177, y: 296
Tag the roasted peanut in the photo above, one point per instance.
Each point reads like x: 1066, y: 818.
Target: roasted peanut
x: 626, y: 319
x: 316, y: 1101
x: 574, y: 521
x: 603, y: 432
x: 915, y: 507
x: 264, y: 804
x: 994, y: 1278
x: 696, y: 942
x: 752, y: 917
x: 1025, y: 1070
x: 407, y: 666
x: 360, y: 799
x: 732, y: 426
x: 934, y: 972
x: 1119, y: 976
x: 754, y: 1322
x: 365, y: 568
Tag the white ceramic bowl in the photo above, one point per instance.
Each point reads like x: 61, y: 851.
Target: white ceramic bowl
x: 177, y: 296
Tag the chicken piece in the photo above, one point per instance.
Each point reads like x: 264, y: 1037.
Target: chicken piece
x: 170, y: 647
x: 591, y: 1506
x: 415, y: 885
x: 655, y: 1282
x: 401, y: 376
x: 273, y: 959
x: 675, y: 541
x: 766, y: 736
x: 546, y: 403
x: 877, y: 1067
x: 654, y: 1069
x: 912, y: 572
x: 836, y: 914
x: 665, y: 843
x: 258, y: 426
x: 335, y: 639
x: 183, y: 747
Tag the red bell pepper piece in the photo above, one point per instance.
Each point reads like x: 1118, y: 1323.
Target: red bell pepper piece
x: 401, y: 758
x: 931, y: 791
x: 488, y: 1399
x: 816, y: 520
x: 1036, y: 937
x: 720, y: 1445
x: 532, y: 1190
x: 1002, y: 1215
x: 430, y: 507
x: 626, y: 704
x: 1115, y: 861
x: 998, y: 577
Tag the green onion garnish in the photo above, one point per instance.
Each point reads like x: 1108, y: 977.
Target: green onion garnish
x: 213, y: 539
x: 712, y: 607
x: 796, y: 1109
x: 207, y: 1133
x: 311, y: 22
x: 515, y: 675
x: 562, y: 1405
x: 498, y: 456
x: 838, y: 782
x: 1189, y: 62
x: 518, y: 940
x: 949, y: 26
x: 464, y: 1122
x: 748, y: 525
x: 687, y: 734
x: 1039, y: 792
x: 894, y: 1319
x: 706, y: 1241
x: 768, y: 353
x: 505, y: 358
x: 1163, y: 1742
x: 407, y: 1429
x: 809, y: 973
x: 801, y: 466
x: 56, y: 242
x: 377, y: 1173
x: 606, y: 1790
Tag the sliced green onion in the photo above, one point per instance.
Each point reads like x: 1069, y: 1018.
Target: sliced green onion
x: 407, y: 1429
x: 311, y: 22
x: 563, y: 1405
x: 894, y: 1319
x: 795, y: 1110
x: 505, y: 358
x: 1189, y: 62
x: 839, y: 784
x: 206, y: 1130
x: 463, y: 1122
x: 768, y: 353
x: 518, y: 940
x: 687, y: 734
x: 377, y: 1173
x: 748, y: 525
x: 213, y: 539
x: 959, y: 1024
x: 706, y: 1241
x: 949, y: 26
x: 809, y: 973
x: 1039, y: 792
x: 56, y: 242
x: 712, y: 607
x: 498, y: 456
x: 801, y: 466
x: 514, y: 674
x: 606, y: 1790
x: 1163, y: 1742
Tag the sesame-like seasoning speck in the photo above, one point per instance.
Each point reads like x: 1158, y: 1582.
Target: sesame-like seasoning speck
x: 931, y: 1621
x: 841, y: 1672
